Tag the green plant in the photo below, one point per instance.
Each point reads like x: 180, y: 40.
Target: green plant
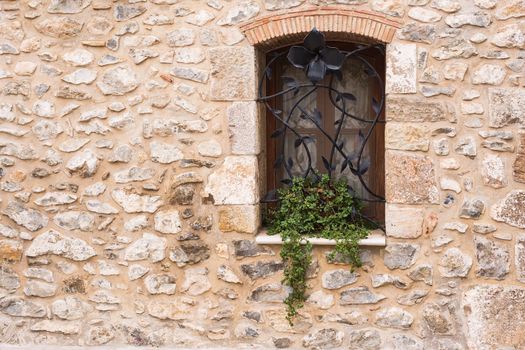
x: 315, y: 207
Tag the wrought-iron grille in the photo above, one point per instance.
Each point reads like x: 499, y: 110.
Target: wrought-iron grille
x: 313, y: 69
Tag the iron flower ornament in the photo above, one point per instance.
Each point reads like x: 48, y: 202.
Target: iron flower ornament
x: 315, y: 57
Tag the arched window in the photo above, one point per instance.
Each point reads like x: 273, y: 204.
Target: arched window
x: 325, y: 113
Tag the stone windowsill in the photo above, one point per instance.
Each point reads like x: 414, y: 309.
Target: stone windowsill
x: 376, y: 238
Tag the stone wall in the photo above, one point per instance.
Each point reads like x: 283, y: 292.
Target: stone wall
x: 129, y: 154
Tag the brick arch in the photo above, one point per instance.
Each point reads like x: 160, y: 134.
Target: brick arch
x: 276, y: 30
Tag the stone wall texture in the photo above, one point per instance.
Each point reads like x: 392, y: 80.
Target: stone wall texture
x: 130, y: 151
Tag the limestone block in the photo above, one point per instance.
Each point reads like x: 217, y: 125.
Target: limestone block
x: 495, y: 316
x: 242, y: 219
x: 401, y: 73
x: 406, y: 137
x: 410, y: 179
x: 403, y: 109
x: 234, y: 182
x: 511, y: 209
x: 244, y: 124
x: 403, y: 222
x: 505, y: 107
x: 232, y: 73
x: 518, y: 168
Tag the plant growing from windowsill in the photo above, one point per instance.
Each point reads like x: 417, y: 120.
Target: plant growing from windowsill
x: 315, y: 207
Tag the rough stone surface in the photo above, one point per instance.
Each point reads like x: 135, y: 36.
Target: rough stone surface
x: 29, y: 218
x: 325, y: 338
x: 242, y: 122
x: 454, y: 263
x: 437, y: 321
x: 196, y: 281
x: 410, y: 179
x: 168, y: 222
x: 134, y: 203
x: 53, y: 242
x: 504, y: 107
x: 148, y: 247
x: 118, y: 81
x: 133, y: 157
x: 493, y: 171
x: 511, y: 209
x: 518, y: 167
x: 242, y: 219
x: 487, y: 306
x: 367, y: 339
x: 400, y: 255
x: 399, y: 136
x: 234, y: 182
x: 404, y: 222
x: 232, y: 73
x: 493, y: 259
x: 359, y: 295
x: 403, y: 109
x: 401, y: 75
x: 160, y: 284
x: 336, y: 279
x: 394, y: 317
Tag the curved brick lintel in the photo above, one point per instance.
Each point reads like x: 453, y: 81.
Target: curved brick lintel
x: 276, y: 30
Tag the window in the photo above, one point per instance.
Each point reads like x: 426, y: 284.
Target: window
x: 325, y: 118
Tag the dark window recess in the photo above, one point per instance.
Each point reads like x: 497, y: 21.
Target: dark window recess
x: 325, y: 113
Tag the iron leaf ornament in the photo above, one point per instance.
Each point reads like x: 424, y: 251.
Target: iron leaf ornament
x: 315, y: 57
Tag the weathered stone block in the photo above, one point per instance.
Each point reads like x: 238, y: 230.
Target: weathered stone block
x: 493, y: 259
x: 514, y: 9
x: 10, y: 250
x: 9, y: 280
x: 511, y: 209
x: 472, y: 209
x: 490, y: 74
x: 410, y: 179
x: 506, y: 107
x: 455, y: 263
x: 510, y: 36
x: 493, y: 171
x: 325, y: 338
x: 335, y: 279
x: 406, y: 137
x: 235, y: 181
x: 244, y: 123
x: 400, y: 255
x: 245, y: 248
x: 495, y: 316
x: 232, y: 73
x: 403, y: 222
x: 55, y: 243
x: 418, y: 32
x: 403, y: 109
x: 437, y: 320
x: 243, y: 219
x: 277, y: 320
x: 401, y: 73
x: 518, y: 168
x: 519, y: 258
x: 269, y: 293
x: 191, y: 252
x: 361, y: 339
x: 394, y: 317
x: 455, y: 48
x: 261, y: 269
x: 196, y: 281
x: 59, y: 27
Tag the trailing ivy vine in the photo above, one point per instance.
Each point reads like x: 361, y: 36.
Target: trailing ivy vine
x: 315, y: 207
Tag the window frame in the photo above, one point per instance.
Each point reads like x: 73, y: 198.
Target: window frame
x: 374, y: 210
